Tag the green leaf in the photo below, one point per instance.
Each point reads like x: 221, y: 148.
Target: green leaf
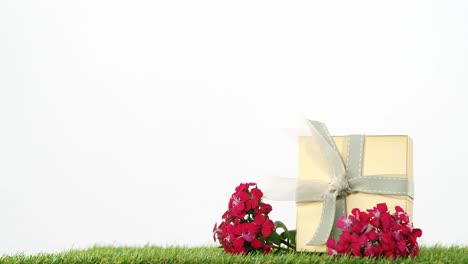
x: 275, y: 238
x: 288, y: 237
x: 284, y: 235
x: 279, y: 224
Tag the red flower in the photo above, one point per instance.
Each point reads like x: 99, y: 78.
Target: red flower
x: 387, y: 241
x: 238, y: 243
x: 372, y: 234
x: 266, y: 225
x: 259, y: 220
x: 256, y: 196
x: 413, y: 234
x: 350, y: 242
x: 372, y: 250
x: 375, y: 213
x: 267, y: 228
x: 267, y: 249
x: 360, y: 220
x: 257, y: 243
x: 244, y: 187
x: 386, y: 221
x: 265, y: 208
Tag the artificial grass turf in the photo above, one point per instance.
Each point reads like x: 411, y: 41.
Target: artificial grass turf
x: 152, y: 254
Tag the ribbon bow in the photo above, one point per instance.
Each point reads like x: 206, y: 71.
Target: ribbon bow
x: 345, y: 178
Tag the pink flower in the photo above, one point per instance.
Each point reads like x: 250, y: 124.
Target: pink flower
x: 237, y: 202
x: 345, y: 223
x: 248, y: 231
x: 331, y: 246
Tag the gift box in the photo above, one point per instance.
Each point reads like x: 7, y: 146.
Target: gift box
x: 383, y: 171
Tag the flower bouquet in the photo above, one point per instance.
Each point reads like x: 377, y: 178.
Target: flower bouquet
x: 376, y: 233
x: 246, y: 226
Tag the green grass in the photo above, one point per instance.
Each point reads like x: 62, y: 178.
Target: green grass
x: 151, y: 254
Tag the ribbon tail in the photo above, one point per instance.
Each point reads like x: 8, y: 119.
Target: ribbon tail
x: 339, y: 212
x: 326, y: 220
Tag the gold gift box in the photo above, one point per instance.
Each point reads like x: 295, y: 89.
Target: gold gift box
x: 382, y: 155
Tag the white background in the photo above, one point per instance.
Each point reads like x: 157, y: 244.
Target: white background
x: 131, y: 122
